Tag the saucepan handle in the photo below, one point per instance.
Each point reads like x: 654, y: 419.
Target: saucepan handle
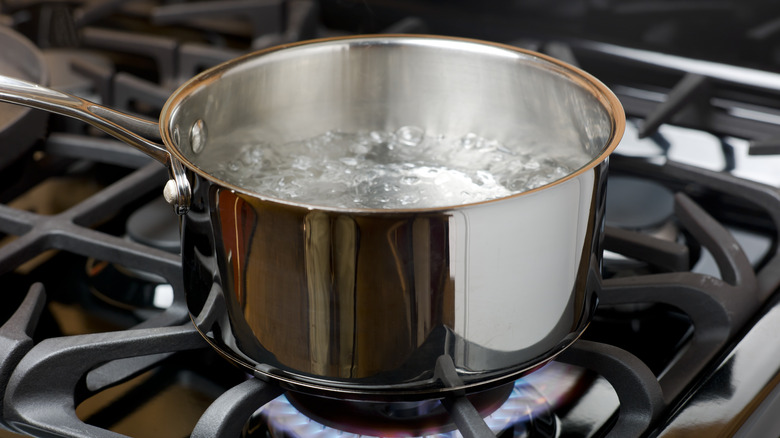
x: 131, y: 130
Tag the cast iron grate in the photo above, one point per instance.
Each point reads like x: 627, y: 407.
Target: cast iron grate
x: 40, y: 402
x: 90, y: 363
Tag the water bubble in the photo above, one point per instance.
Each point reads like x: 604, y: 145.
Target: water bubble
x: 504, y: 149
x: 252, y: 156
x: 469, y: 140
x: 408, y: 200
x: 380, y: 137
x: 361, y: 148
x: 494, y: 147
x: 483, y: 178
x: 536, y: 181
x: 301, y: 162
x: 532, y: 165
x: 517, y: 185
x: 410, y: 180
x: 378, y: 169
x: 349, y: 161
x: 410, y: 135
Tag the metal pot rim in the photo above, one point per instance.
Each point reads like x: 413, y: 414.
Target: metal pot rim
x: 600, y: 91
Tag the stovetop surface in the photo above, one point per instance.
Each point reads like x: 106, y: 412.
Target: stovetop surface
x: 684, y: 339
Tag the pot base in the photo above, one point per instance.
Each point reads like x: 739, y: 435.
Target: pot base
x: 447, y: 380
x: 382, y: 418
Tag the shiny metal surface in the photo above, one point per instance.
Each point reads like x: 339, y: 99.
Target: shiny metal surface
x: 760, y: 79
x: 19, y: 127
x: 36, y: 96
x: 129, y: 129
x: 366, y: 302
x: 363, y: 302
x: 730, y: 400
x: 369, y: 301
x: 450, y: 86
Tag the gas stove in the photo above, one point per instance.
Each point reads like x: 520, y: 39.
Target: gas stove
x: 96, y: 339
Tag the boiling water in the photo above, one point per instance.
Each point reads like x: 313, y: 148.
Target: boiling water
x: 403, y: 169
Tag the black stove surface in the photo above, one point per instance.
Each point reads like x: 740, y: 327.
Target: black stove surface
x: 96, y: 339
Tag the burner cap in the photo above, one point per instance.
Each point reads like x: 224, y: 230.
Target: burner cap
x: 155, y: 224
x: 637, y: 204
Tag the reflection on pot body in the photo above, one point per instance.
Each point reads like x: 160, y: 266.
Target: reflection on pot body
x: 382, y: 302
x: 368, y: 302
x: 376, y: 298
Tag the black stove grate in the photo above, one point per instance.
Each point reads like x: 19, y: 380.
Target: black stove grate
x: 44, y: 379
x: 90, y: 363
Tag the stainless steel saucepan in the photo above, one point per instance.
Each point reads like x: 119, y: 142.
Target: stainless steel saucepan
x: 382, y: 303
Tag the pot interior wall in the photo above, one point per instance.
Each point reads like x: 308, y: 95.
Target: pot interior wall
x: 447, y: 87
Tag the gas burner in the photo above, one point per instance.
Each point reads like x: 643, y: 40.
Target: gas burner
x: 156, y: 226
x: 638, y: 205
x: 418, y: 418
x: 525, y: 407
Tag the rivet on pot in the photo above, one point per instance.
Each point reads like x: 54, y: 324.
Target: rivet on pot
x: 170, y: 192
x: 198, y: 136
